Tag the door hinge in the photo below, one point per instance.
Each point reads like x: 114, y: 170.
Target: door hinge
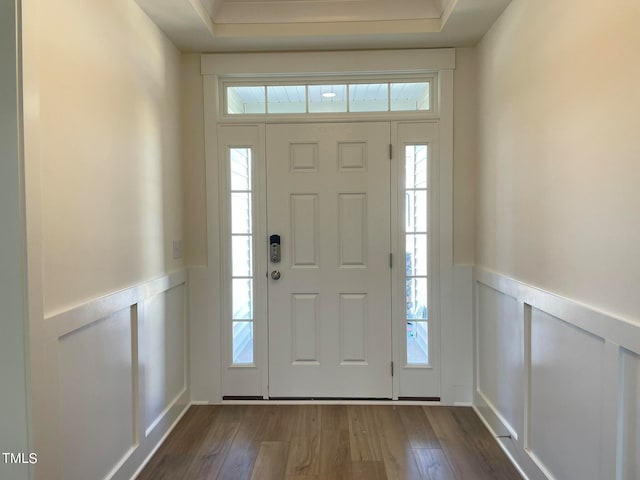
x: 392, y: 369
x: 390, y: 151
x: 391, y: 260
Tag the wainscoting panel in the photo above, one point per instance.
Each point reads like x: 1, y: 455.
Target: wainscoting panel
x: 557, y: 382
x: 566, y: 397
x: 162, y: 355
x: 500, y: 372
x: 118, y: 379
x: 629, y: 425
x: 95, y: 372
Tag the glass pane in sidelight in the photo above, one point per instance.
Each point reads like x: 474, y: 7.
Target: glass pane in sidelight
x: 416, y: 295
x: 242, y: 294
x: 240, y: 166
x: 416, y: 211
x: 242, y: 255
x: 242, y: 342
x: 416, y: 255
x: 417, y: 343
x: 240, y: 212
x: 416, y: 166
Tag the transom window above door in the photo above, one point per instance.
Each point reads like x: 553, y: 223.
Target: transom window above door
x: 412, y: 95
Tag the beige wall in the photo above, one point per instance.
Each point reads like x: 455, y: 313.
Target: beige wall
x: 465, y: 145
x: 194, y: 162
x: 559, y: 157
x: 110, y: 161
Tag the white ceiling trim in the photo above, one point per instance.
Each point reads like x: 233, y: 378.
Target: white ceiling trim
x: 192, y: 25
x: 389, y: 27
x: 317, y: 11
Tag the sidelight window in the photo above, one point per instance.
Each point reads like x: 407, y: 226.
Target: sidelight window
x: 242, y: 289
x: 416, y: 254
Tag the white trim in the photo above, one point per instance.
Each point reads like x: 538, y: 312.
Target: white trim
x: 620, y: 331
x: 65, y: 322
x: 206, y: 301
x: 310, y: 63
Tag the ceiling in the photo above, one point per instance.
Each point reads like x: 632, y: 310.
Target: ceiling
x: 294, y: 25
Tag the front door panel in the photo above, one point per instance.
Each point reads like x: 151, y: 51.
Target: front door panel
x: 328, y: 197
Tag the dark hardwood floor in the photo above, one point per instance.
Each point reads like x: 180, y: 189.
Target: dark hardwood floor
x: 329, y: 442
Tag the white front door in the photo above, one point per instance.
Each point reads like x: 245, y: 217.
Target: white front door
x: 329, y: 298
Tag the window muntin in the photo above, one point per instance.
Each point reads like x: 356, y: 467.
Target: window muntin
x: 242, y: 240
x: 336, y: 97
x: 416, y: 254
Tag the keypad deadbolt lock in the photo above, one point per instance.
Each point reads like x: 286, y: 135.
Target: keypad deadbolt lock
x: 274, y: 241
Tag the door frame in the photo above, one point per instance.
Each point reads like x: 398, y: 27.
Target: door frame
x: 206, y: 282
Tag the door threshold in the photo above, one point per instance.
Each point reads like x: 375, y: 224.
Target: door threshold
x: 229, y: 400
x: 331, y: 399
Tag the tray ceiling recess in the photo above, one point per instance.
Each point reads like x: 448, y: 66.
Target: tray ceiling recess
x: 263, y: 25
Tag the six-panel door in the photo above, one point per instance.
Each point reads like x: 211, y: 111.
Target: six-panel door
x: 328, y: 197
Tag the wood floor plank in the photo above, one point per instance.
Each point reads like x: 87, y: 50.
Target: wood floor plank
x: 279, y: 423
x: 335, y: 450
x: 472, y: 453
x: 304, y: 451
x: 399, y: 462
x: 368, y: 471
x: 335, y: 457
x: 215, y: 446
x: 304, y: 456
x: 168, y: 467
x: 271, y: 462
x: 334, y: 417
x: 417, y: 427
x: 329, y: 442
x: 307, y: 420
x: 241, y: 456
x: 363, y: 434
x: 184, y: 442
x: 433, y: 464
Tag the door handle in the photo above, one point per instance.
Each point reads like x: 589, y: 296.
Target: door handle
x: 275, y: 275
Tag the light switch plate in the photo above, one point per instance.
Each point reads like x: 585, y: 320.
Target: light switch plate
x: 177, y: 249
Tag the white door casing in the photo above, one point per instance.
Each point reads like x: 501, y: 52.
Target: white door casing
x: 328, y: 196
x: 414, y: 379
x: 209, y: 352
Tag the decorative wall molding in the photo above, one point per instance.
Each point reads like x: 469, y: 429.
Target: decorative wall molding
x: 117, y: 365
x: 556, y: 381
